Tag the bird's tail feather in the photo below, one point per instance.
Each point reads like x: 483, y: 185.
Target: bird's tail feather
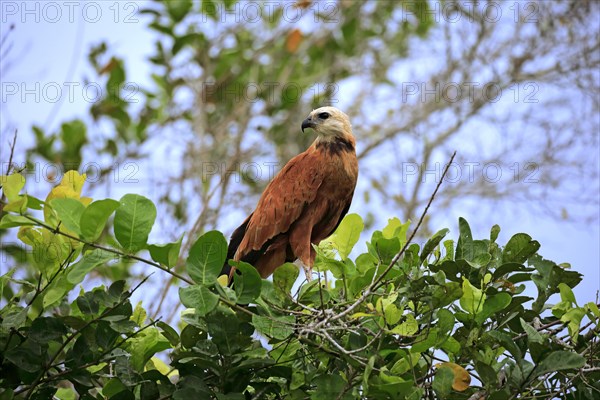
x: 234, y: 243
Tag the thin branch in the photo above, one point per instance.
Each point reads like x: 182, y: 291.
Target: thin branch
x: 73, y: 335
x: 12, y: 152
x: 110, y: 250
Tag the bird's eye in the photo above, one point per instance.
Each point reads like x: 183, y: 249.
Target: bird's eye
x: 324, y: 115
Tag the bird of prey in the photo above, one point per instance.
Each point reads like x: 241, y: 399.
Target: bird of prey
x: 304, y: 203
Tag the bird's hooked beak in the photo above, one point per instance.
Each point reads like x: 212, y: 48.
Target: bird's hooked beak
x: 308, y: 123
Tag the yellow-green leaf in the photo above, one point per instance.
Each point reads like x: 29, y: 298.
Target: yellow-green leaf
x: 69, y: 187
x: 409, y: 327
x: 12, y: 185
x: 17, y: 206
x: 472, y: 299
x: 566, y: 294
x: 347, y: 234
x: 361, y: 314
x: 396, y: 229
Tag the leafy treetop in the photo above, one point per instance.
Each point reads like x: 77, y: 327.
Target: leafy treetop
x: 447, y: 320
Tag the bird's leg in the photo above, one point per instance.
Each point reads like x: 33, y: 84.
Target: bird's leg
x: 307, y: 269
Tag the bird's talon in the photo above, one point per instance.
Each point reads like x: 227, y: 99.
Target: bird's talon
x: 308, y: 272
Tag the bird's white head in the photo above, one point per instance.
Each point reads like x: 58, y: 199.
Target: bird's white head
x: 329, y: 123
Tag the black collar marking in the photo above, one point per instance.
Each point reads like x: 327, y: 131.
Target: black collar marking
x: 336, y: 146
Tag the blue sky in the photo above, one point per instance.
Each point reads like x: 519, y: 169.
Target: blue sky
x: 49, y: 54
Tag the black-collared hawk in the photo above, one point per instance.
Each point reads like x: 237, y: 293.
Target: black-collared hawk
x: 304, y: 203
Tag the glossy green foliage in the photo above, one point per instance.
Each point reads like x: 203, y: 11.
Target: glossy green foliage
x: 396, y: 321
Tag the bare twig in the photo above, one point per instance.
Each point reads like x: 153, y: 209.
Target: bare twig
x: 12, y: 152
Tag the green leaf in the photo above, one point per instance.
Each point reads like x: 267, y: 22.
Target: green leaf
x: 487, y: 374
x: 507, y: 268
x: 365, y: 262
x: 247, y: 285
x: 166, y: 254
x: 115, y: 80
x: 139, y: 315
x: 494, y: 233
x: 73, y: 137
x: 449, y: 247
x: 506, y: 341
x: 451, y: 346
x: 284, y: 278
x: 593, y: 309
x: 442, y: 383
x: 566, y: 294
x: 465, y: 239
x: 433, y: 242
x: 94, y: 218
x: 339, y: 269
x: 404, y: 364
x: 144, y: 345
x: 45, y: 329
x: 66, y: 394
x: 179, y: 9
x: 519, y: 248
x: 328, y: 387
x: 27, y: 356
x: 88, y: 262
x: 34, y: 203
x: 532, y: 334
x: 207, y: 257
x: 472, y: 299
x: 276, y: 328
x: 396, y: 229
x: 199, y: 298
x: 13, y: 317
x: 548, y: 278
x: 69, y: 212
x: 133, y: 221
x: 477, y: 254
x: 367, y: 374
x: 492, y: 305
x: 169, y: 333
x: 382, y: 248
x: 17, y: 206
x: 56, y: 291
x: 114, y: 387
x: 49, y: 249
x: 392, y: 314
x: 417, y: 393
x: 12, y: 185
x: 88, y: 303
x: 4, y: 279
x: 573, y: 317
x: 558, y: 361
x: 409, y: 327
x: 12, y: 221
x: 391, y: 387
x: 425, y: 341
x: 445, y: 321
x: 192, y: 387
x: 347, y: 234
